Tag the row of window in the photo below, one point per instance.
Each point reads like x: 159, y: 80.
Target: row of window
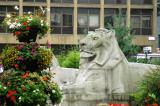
x: 88, y: 19
x: 92, y: 1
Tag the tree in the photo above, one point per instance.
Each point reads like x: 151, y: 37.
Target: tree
x: 123, y: 35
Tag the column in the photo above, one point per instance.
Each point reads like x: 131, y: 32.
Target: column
x: 75, y: 14
x: 128, y: 13
x: 20, y: 7
x: 102, y: 14
x: 154, y: 22
x: 48, y: 17
x: 154, y: 30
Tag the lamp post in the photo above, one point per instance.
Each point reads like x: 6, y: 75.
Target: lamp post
x: 146, y: 50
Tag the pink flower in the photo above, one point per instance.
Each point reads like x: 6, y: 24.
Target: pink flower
x: 33, y: 51
x: 28, y: 28
x: 19, y: 47
x: 20, y: 58
x: 16, y: 66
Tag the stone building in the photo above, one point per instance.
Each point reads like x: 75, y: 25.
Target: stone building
x: 72, y: 19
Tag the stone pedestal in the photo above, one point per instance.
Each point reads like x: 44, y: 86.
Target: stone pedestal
x: 71, y: 99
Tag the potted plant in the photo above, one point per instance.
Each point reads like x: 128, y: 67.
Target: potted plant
x: 18, y: 88
x: 27, y: 27
x: 26, y: 57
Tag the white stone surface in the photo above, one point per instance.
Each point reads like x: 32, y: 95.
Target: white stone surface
x: 104, y: 70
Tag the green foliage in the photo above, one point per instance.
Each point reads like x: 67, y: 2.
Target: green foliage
x: 156, y: 61
x: 149, y: 89
x: 21, y: 57
x: 69, y: 60
x: 18, y: 88
x: 144, y: 60
x: 9, y: 56
x: 124, y: 37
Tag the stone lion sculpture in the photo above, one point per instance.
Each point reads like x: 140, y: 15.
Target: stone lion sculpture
x: 103, y: 68
x: 104, y: 61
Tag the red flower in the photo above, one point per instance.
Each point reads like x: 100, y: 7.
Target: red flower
x: 25, y: 75
x: 13, y: 99
x: 11, y: 96
x: 16, y: 66
x: 45, y: 78
x: 17, y: 33
x: 155, y: 104
x: 28, y: 28
x: 25, y: 23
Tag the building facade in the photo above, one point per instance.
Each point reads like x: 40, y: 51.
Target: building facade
x: 70, y: 20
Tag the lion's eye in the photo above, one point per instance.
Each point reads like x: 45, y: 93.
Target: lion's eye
x: 95, y: 38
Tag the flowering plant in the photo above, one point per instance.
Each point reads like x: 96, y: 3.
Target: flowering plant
x: 21, y: 57
x: 26, y: 28
x: 148, y: 92
x: 18, y: 88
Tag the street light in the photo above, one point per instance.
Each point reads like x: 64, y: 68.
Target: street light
x: 146, y: 51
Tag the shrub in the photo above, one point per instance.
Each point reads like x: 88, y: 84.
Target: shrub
x: 70, y: 60
x: 148, y: 92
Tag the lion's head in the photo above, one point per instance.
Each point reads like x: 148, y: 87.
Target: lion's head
x: 99, y: 45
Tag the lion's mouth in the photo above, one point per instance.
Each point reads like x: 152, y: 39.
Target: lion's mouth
x: 86, y: 54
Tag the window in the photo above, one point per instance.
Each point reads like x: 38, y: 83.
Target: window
x: 62, y: 20
x: 10, y: 0
x: 34, y: 0
x: 88, y: 20
x: 89, y: 1
x: 3, y: 11
x: 31, y: 9
x: 40, y: 0
x: 62, y: 1
x: 109, y: 16
x: 115, y: 1
x: 141, y: 22
x: 2, y: 16
x: 141, y: 1
x: 13, y: 0
x: 28, y: 0
x: 146, y: 25
x: 2, y: 28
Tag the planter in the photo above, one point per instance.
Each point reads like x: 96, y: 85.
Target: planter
x: 31, y: 65
x: 29, y: 37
